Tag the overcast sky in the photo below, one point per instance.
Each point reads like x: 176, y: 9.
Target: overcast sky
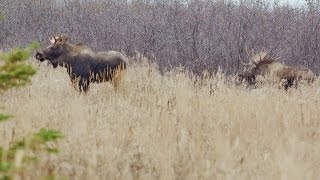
x: 294, y: 2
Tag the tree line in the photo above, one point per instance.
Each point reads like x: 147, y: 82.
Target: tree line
x: 197, y: 35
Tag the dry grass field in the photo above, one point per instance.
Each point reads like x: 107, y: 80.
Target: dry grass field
x: 169, y: 127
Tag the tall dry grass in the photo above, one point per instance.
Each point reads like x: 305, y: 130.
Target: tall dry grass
x: 169, y: 127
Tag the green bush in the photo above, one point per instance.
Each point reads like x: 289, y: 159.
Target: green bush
x: 17, y: 159
x: 15, y: 72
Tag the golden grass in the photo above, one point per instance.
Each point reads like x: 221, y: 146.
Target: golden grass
x: 169, y: 127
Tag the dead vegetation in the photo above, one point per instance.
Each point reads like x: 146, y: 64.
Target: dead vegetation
x: 163, y: 127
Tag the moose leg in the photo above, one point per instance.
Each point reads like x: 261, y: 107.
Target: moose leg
x: 288, y: 83
x: 74, y: 82
x: 83, y: 84
x: 252, y: 81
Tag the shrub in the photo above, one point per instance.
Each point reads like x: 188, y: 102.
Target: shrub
x: 16, y: 160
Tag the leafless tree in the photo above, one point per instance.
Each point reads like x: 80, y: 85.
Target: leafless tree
x: 195, y: 34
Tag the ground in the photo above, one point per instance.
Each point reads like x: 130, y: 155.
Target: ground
x: 168, y: 126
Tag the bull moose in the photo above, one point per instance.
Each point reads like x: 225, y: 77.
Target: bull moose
x: 83, y: 64
x: 266, y: 65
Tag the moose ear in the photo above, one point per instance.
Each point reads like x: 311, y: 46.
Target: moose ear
x: 65, y: 38
x: 62, y: 39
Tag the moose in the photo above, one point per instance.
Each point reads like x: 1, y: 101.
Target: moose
x: 266, y: 65
x: 83, y: 64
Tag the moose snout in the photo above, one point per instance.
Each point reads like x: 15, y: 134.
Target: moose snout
x: 39, y: 56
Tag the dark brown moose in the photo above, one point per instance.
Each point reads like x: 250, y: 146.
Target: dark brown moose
x: 267, y: 65
x: 84, y: 65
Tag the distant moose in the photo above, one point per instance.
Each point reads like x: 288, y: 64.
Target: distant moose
x: 83, y: 64
x: 268, y: 66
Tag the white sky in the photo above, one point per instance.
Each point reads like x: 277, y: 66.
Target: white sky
x: 294, y: 2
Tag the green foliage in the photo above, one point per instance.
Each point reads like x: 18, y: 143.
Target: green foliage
x: 4, y: 117
x: 22, y: 154
x: 1, y: 18
x: 15, y: 72
x: 48, y: 135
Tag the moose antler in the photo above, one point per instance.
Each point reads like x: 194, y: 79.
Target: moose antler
x: 249, y: 55
x: 59, y: 39
x: 53, y: 40
x: 62, y: 38
x: 243, y: 63
x: 263, y: 57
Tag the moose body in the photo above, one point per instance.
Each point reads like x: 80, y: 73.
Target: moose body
x: 267, y: 66
x: 84, y: 65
